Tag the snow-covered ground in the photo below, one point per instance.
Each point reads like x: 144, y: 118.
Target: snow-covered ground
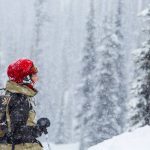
x: 139, y: 139
x: 61, y: 147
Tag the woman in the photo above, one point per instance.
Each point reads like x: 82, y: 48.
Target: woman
x: 22, y: 130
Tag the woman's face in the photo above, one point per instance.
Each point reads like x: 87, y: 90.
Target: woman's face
x: 35, y: 78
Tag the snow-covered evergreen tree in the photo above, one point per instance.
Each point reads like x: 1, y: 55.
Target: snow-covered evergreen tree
x: 106, y: 108
x: 87, y: 86
x: 120, y: 64
x: 141, y: 84
x: 108, y: 115
x: 62, y: 130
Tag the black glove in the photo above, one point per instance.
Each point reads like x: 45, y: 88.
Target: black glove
x: 43, y: 123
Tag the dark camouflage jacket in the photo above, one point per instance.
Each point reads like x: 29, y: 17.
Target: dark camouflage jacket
x: 23, y: 128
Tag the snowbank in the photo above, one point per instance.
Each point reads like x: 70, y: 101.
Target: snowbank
x: 136, y: 140
x: 61, y: 147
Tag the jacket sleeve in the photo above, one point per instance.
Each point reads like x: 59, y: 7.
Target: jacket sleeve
x: 19, y: 110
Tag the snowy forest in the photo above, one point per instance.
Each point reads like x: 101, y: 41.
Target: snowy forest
x: 93, y: 58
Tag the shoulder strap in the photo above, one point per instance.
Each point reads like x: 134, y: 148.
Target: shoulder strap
x: 7, y: 100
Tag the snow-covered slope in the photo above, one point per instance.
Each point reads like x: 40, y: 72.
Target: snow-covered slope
x: 74, y: 146
x: 136, y: 140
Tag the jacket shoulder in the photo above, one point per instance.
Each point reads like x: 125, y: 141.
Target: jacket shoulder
x: 18, y: 100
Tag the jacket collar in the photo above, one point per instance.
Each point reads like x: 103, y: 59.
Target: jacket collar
x: 14, y: 87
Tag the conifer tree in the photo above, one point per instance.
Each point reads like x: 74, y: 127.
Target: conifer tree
x: 106, y: 106
x: 110, y: 87
x: 87, y: 86
x: 121, y: 64
x: 141, y: 84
